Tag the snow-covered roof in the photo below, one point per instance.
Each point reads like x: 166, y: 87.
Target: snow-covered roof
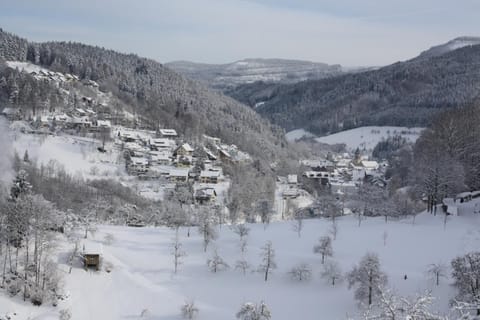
x: 160, y: 156
x: 168, y: 132
x: 464, y: 195
x: 370, y: 164
x: 292, y: 178
x: 209, y: 174
x: 178, y: 172
x: 162, y: 142
x: 92, y: 248
x: 139, y: 161
x: 187, y: 147
x: 206, y: 192
x: 290, y: 193
x: 104, y: 123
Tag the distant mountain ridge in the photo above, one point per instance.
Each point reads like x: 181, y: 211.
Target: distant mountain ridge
x: 406, y: 93
x: 451, y: 45
x: 223, y: 76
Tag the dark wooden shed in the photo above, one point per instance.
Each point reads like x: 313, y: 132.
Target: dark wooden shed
x: 92, y: 254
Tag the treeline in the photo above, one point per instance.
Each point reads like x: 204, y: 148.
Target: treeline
x: 445, y: 160
x: 403, y: 94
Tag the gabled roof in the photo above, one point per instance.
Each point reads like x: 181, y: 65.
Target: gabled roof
x: 210, y: 174
x: 178, y: 172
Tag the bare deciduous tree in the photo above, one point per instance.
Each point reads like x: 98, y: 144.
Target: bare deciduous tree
x: 268, y: 260
x: 301, y: 272
x: 368, y: 278
x: 332, y: 272
x: 324, y: 248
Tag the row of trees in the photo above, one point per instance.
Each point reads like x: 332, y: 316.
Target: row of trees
x: 27, y: 223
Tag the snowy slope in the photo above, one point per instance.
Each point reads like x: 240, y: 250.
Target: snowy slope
x: 451, y: 45
x: 366, y: 138
x: 142, y: 275
x: 26, y: 66
x: 77, y: 155
x: 297, y: 134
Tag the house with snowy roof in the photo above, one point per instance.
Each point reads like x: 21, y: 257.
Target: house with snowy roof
x: 209, y: 176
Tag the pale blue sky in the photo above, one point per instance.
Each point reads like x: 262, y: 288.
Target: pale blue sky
x: 349, y: 32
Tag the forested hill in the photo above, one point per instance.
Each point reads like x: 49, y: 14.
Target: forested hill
x: 225, y: 76
x: 405, y: 94
x: 157, y: 93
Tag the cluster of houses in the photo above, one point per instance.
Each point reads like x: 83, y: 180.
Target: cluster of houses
x: 57, y: 77
x: 162, y: 155
x: 341, y: 173
x: 87, y: 115
x: 451, y: 205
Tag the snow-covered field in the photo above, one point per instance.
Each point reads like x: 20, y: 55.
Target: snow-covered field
x: 366, y: 138
x: 142, y: 276
x: 78, y: 155
x: 297, y: 134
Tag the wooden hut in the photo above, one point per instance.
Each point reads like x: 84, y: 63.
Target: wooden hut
x: 92, y: 253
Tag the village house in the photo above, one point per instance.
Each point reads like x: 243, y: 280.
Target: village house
x: 224, y: 156
x: 178, y: 174
x: 210, y: 155
x: 126, y: 136
x: 292, y: 179
x: 160, y: 144
x: 290, y: 193
x: 323, y: 176
x: 104, y: 124
x: 209, y: 176
x: 363, y: 169
x: 137, y: 165
x: 205, y: 195
x: 160, y: 158
x: 183, y: 161
x: 168, y: 133
x: 79, y: 112
x: 79, y: 123
x: 183, y: 150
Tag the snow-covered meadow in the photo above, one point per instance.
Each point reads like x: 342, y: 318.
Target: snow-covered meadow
x: 366, y: 138
x: 142, y: 277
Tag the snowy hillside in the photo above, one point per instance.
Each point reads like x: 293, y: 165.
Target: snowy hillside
x: 79, y: 156
x: 142, y: 264
x: 297, y: 134
x: 451, y: 45
x: 366, y: 138
x: 252, y: 70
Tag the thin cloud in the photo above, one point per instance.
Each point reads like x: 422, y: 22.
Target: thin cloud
x: 218, y: 31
